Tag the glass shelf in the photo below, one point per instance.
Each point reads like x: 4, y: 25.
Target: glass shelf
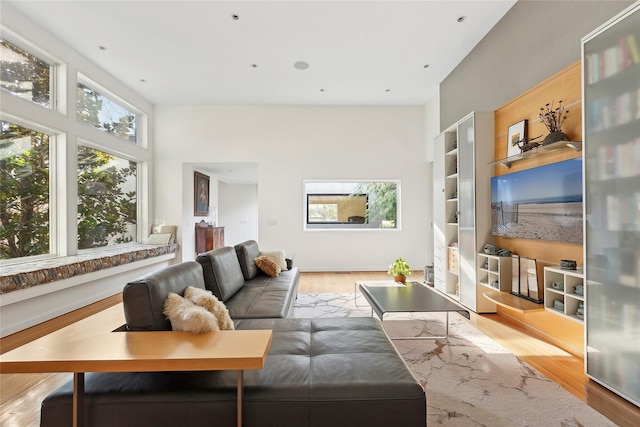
x: 539, y: 151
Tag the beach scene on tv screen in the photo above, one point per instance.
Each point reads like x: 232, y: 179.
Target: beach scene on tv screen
x: 542, y: 203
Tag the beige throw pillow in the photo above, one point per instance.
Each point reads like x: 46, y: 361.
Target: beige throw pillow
x: 265, y: 264
x: 276, y: 256
x: 186, y: 316
x: 205, y: 299
x: 160, y: 239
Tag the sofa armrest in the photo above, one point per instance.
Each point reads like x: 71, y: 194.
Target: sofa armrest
x: 143, y: 298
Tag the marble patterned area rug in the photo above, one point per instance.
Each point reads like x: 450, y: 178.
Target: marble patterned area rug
x: 470, y: 380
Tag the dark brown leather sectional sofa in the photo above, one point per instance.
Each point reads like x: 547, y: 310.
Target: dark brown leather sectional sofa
x: 319, y: 372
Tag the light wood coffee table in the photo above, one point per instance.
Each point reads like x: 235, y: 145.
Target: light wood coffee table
x: 141, y: 352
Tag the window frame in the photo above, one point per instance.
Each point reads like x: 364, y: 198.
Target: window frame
x: 138, y: 237
x: 66, y: 133
x: 140, y: 137
x: 57, y: 70
x: 55, y: 140
x: 340, y: 226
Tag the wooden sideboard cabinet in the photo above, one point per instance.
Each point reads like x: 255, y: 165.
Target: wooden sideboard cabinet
x: 208, y: 237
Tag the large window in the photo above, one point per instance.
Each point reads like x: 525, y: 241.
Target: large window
x: 346, y: 204
x: 24, y: 74
x: 105, y: 114
x: 107, y: 189
x: 66, y: 187
x: 24, y: 192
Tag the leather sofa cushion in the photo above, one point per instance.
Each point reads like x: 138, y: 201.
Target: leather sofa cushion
x: 222, y: 273
x: 247, y: 252
x: 143, y: 299
x: 338, y: 372
x: 265, y: 297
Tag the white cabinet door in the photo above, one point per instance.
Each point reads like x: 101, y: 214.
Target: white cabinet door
x: 439, y: 213
x: 467, y: 216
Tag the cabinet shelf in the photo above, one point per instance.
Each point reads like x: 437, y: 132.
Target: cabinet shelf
x: 459, y: 216
x: 512, y: 302
x: 539, y: 151
x: 494, y: 272
x: 560, y: 296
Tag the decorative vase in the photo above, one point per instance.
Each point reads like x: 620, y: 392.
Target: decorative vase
x: 400, y: 279
x: 554, y: 137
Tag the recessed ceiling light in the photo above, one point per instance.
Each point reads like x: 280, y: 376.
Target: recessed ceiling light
x: 462, y: 18
x: 301, y: 65
x: 235, y: 17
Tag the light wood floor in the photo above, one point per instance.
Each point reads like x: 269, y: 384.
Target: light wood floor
x: 22, y: 394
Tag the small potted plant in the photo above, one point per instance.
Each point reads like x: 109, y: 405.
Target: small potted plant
x: 553, y: 118
x: 399, y: 269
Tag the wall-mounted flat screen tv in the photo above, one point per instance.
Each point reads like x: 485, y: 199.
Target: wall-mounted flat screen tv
x: 541, y: 203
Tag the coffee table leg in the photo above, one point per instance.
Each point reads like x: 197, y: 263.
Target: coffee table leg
x: 355, y: 296
x: 431, y: 337
x: 239, y: 387
x: 78, y: 398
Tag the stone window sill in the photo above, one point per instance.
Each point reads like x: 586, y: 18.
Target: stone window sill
x: 28, y: 275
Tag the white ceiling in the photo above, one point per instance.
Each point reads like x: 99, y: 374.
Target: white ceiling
x: 195, y: 52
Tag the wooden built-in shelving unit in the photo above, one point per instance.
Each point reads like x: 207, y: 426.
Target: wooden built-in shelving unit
x: 566, y: 85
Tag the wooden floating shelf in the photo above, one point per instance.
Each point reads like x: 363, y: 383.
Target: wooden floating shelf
x: 540, y: 151
x: 512, y: 302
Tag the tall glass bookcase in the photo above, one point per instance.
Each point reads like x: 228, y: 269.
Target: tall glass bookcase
x: 611, y: 109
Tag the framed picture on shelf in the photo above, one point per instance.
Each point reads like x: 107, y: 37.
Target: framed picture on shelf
x: 517, y: 132
x: 201, y: 194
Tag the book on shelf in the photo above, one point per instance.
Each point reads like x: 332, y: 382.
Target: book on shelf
x: 633, y: 48
x: 606, y: 112
x: 621, y: 160
x: 636, y: 156
x: 622, y: 212
x: 612, y: 60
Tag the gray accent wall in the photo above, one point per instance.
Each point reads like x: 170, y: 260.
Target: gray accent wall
x: 532, y: 42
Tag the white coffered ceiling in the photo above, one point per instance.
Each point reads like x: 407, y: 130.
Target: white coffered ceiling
x: 273, y: 52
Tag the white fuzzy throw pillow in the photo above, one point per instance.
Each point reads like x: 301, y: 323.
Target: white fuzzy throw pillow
x: 276, y: 256
x: 205, y: 299
x: 186, y: 316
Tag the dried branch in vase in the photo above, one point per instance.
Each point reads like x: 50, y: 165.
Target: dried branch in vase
x: 553, y: 118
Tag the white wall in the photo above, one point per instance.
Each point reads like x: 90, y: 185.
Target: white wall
x: 431, y: 130
x: 488, y: 76
x: 292, y: 143
x: 26, y: 307
x: 238, y: 212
